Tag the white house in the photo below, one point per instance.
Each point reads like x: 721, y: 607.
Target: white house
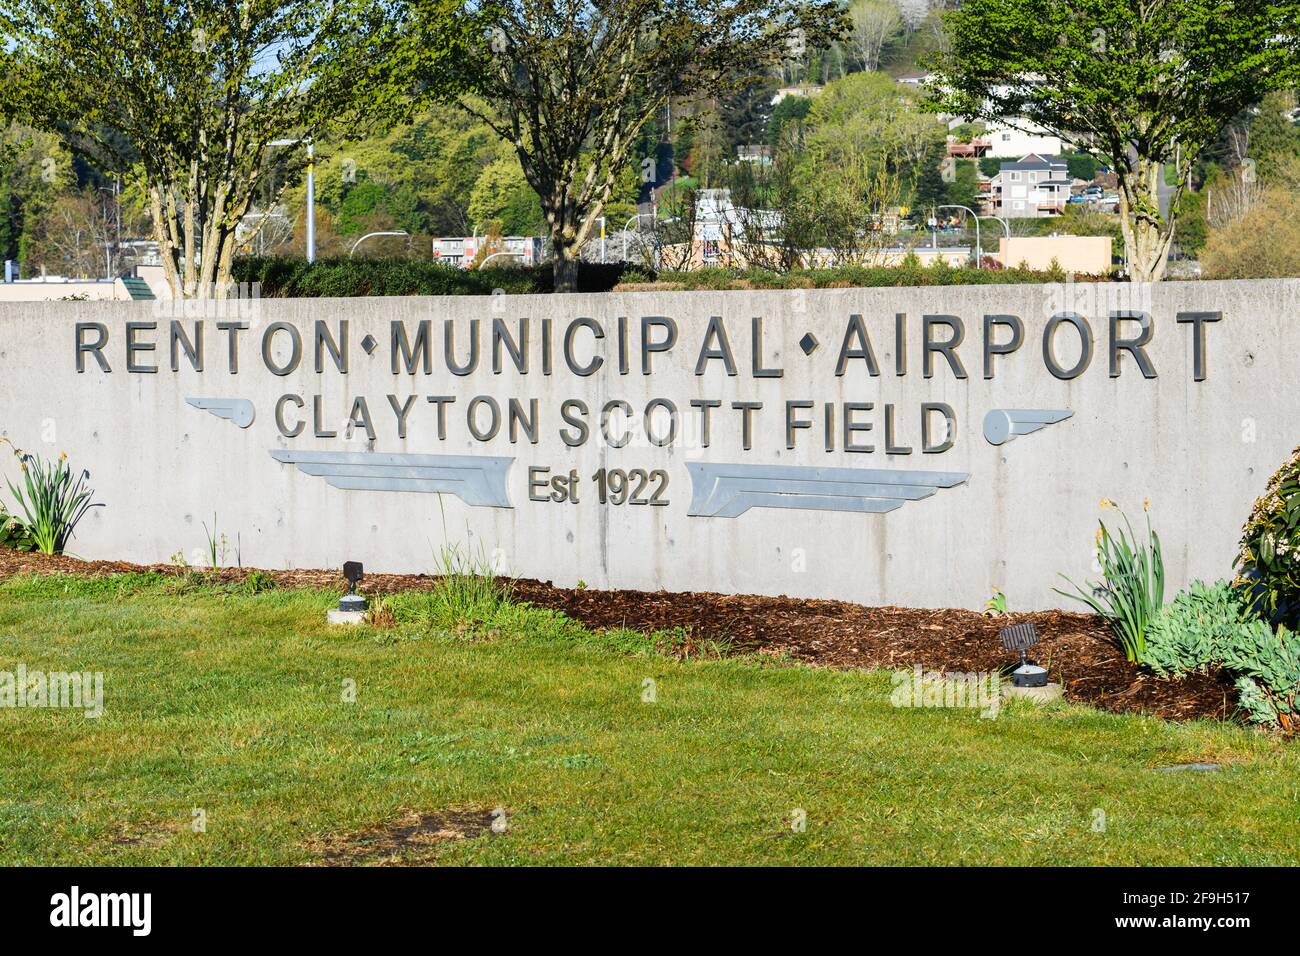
x: 1033, y: 187
x: 1006, y: 142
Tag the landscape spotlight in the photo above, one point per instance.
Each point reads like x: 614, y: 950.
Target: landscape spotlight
x: 1019, y: 637
x: 352, y: 601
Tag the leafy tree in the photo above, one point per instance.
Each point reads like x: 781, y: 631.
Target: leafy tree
x: 69, y: 237
x: 1192, y: 224
x: 1274, y: 138
x: 37, y: 169
x: 364, y: 209
x: 747, y: 113
x: 871, y: 115
x: 964, y: 188
x: 502, y: 195
x: 196, y: 90
x: 1081, y: 166
x: 929, y: 190
x: 1141, y: 82
x: 788, y: 118
x: 570, y: 84
x: 708, y: 153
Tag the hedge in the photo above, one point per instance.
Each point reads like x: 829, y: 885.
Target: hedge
x: 343, y: 278
x: 283, y: 277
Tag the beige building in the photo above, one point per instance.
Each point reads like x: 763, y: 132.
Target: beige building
x: 1085, y: 255
x: 53, y: 289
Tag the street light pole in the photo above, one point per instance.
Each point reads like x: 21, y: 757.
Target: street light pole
x: 504, y: 252
x: 371, y: 235
x: 1001, y: 222
x: 637, y: 217
x: 311, y: 190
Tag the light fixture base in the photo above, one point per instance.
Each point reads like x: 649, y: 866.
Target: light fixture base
x: 1029, y: 675
x: 352, y: 602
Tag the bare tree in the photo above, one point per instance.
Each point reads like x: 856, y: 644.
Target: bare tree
x: 676, y: 227
x: 873, y: 24
x: 71, y: 237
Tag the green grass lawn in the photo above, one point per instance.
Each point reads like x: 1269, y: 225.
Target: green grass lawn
x: 230, y: 701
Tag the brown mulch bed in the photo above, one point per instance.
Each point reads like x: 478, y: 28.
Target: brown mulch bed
x: 1076, y: 647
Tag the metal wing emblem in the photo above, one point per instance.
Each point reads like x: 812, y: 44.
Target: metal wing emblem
x: 237, y: 410
x: 728, y: 491
x: 475, y: 480
x: 1005, y: 424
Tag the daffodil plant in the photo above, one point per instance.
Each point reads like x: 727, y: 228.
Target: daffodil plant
x: 1132, y: 589
x: 52, y: 501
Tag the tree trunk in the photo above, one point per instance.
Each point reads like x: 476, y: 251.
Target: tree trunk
x: 565, y: 270
x: 1147, y: 234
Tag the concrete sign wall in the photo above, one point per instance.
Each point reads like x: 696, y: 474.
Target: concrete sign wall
x: 900, y: 446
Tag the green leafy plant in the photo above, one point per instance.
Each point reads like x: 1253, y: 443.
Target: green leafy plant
x: 52, y: 502
x: 1268, y: 567
x: 1132, y: 589
x: 1187, y: 633
x: 996, y: 605
x: 1214, y: 626
x: 13, y: 533
x: 256, y: 582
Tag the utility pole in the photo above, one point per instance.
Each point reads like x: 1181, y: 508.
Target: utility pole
x: 116, y: 193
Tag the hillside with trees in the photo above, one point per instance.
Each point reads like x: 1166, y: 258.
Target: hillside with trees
x: 846, y: 154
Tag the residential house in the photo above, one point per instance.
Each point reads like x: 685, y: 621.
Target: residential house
x: 1033, y: 187
x: 805, y: 90
x: 1007, y: 142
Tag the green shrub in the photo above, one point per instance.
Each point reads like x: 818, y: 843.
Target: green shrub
x: 1213, y: 626
x: 1266, y: 663
x: 13, y: 533
x: 909, y: 272
x: 1081, y: 165
x: 1268, y: 567
x: 283, y: 277
x: 1189, y: 631
x: 1133, y: 586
